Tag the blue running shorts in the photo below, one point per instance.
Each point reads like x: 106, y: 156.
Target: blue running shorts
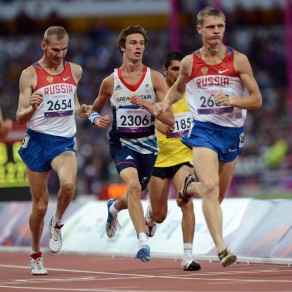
x: 227, y: 142
x: 39, y: 149
x: 124, y: 157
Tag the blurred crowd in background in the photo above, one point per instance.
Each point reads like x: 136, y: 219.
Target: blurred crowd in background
x: 259, y: 33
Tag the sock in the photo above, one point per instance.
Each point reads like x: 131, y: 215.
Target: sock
x: 35, y: 254
x: 142, y: 239
x: 113, y: 210
x: 188, y: 249
x: 55, y: 220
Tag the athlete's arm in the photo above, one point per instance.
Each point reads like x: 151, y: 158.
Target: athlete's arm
x: 254, y: 99
x: 81, y: 110
x: 164, y: 129
x: 28, y: 103
x: 105, y: 92
x: 160, y: 87
x: 177, y: 90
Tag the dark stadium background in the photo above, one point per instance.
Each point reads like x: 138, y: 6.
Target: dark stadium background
x: 259, y: 29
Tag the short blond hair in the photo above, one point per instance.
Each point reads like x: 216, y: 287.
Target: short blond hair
x: 58, y: 31
x: 209, y: 11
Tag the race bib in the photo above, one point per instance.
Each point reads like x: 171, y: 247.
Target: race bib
x: 182, y: 124
x: 133, y: 120
x: 58, y: 107
x: 205, y: 102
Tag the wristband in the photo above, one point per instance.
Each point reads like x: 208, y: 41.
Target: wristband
x: 93, y: 116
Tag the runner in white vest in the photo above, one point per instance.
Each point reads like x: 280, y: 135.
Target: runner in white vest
x: 132, y: 89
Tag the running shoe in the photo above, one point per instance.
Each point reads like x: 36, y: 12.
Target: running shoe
x: 55, y: 242
x: 143, y: 253
x: 112, y: 223
x: 183, y: 197
x: 150, y: 225
x: 227, y: 258
x: 189, y: 264
x: 37, y: 264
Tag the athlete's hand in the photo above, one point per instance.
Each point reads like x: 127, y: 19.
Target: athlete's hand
x: 102, y: 122
x: 160, y: 107
x: 136, y: 100
x: 84, y: 111
x: 221, y: 99
x: 35, y: 100
x: 164, y: 129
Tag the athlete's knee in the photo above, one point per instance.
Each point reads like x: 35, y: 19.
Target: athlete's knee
x: 159, y: 217
x: 67, y: 188
x: 211, y: 189
x: 134, y: 187
x: 39, y: 209
x: 188, y: 208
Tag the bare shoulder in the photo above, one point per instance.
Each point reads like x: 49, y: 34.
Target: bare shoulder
x: 156, y: 76
x: 107, y: 85
x: 28, y: 77
x: 109, y: 80
x: 240, y: 57
x: 29, y: 72
x: 155, y: 73
x: 241, y: 62
x: 76, y: 71
x: 187, y: 64
x: 188, y: 58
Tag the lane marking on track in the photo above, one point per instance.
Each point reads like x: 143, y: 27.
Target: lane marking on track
x: 177, y: 277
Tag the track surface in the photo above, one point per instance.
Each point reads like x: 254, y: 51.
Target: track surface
x: 71, y: 272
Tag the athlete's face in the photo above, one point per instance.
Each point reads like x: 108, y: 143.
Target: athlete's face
x: 134, y: 46
x: 212, y: 30
x: 56, y: 49
x: 171, y: 73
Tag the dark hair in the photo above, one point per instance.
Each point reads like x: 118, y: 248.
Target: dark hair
x: 172, y: 56
x: 209, y: 11
x: 121, y: 41
x: 59, y: 31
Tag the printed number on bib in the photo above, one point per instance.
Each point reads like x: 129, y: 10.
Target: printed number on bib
x: 182, y: 124
x: 206, y: 104
x: 133, y: 120
x: 58, y: 107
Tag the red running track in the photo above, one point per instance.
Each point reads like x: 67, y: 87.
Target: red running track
x: 71, y: 272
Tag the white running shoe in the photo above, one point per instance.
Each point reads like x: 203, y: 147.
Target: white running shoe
x: 37, y: 265
x: 55, y: 242
x: 189, y: 264
x: 150, y: 225
x: 112, y: 223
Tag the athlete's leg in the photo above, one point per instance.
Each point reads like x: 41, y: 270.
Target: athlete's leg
x: 65, y: 166
x: 226, y: 171
x: 132, y: 199
x: 188, y: 222
x: 207, y: 169
x: 188, y: 218
x: 39, y: 192
x: 158, y: 193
